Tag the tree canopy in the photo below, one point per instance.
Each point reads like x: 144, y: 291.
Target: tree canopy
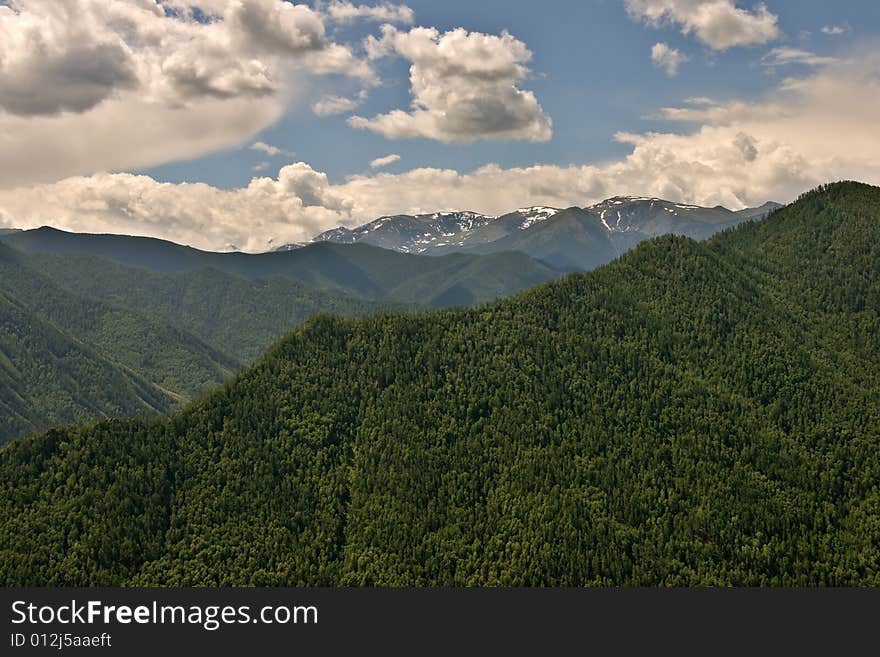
x: 695, y: 413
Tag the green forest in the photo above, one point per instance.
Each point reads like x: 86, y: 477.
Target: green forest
x: 95, y: 326
x: 693, y: 414
x: 83, y: 337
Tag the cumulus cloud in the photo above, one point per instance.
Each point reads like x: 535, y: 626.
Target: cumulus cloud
x: 380, y: 162
x: 719, y: 24
x: 268, y: 149
x: 121, y: 135
x: 105, y: 73
x: 275, y: 27
x: 294, y: 206
x: 69, y: 55
x: 812, y: 129
x: 464, y: 87
x: 51, y: 66
x: 785, y: 56
x: 669, y: 59
x: 346, y: 12
x: 330, y: 105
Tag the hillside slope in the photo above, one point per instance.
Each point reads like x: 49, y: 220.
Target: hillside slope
x: 236, y: 316
x: 48, y: 378
x: 693, y: 413
x: 360, y: 270
x: 133, y: 341
x: 122, y: 332
x: 183, y: 327
x: 572, y: 240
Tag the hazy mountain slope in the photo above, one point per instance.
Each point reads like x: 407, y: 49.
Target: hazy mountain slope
x: 122, y: 332
x: 467, y: 281
x: 627, y: 220
x: 328, y: 268
x: 187, y: 331
x: 148, y: 252
x: 48, y: 378
x: 353, y: 269
x: 107, y: 359
x: 677, y: 417
x: 419, y: 279
x: 759, y: 212
x: 183, y: 333
x: 572, y: 240
x: 237, y: 316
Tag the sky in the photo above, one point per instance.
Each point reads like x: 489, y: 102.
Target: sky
x: 248, y: 124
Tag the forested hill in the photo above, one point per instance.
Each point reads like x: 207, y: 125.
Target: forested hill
x: 96, y: 326
x: 82, y: 337
x: 694, y: 413
x: 358, y: 270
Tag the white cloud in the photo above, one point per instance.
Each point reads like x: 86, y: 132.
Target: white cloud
x: 128, y: 134
x: 380, y: 162
x: 51, y: 62
x: 785, y: 56
x: 260, y: 166
x: 69, y: 55
x: 699, y: 100
x: 330, y: 105
x: 812, y: 129
x: 275, y: 27
x: 708, y: 111
x: 464, y: 87
x: 669, y: 59
x: 87, y: 85
x: 835, y: 30
x: 294, y: 206
x: 719, y: 24
x: 268, y: 149
x: 346, y: 12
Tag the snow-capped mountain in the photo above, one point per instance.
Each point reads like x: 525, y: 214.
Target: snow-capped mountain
x: 492, y: 231
x: 607, y: 229
x: 408, y: 233
x: 291, y: 246
x: 625, y: 213
x: 437, y: 231
x: 533, y: 215
x: 655, y: 216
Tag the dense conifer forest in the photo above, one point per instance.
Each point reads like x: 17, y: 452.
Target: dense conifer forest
x: 96, y: 326
x: 83, y: 337
x: 695, y: 413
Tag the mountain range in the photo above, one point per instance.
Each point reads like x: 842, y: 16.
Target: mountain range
x: 362, y: 270
x: 695, y: 413
x: 111, y: 326
x: 572, y: 239
x: 114, y: 325
x: 83, y: 337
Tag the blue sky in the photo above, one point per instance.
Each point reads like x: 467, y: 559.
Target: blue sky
x: 141, y: 116
x: 592, y: 74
